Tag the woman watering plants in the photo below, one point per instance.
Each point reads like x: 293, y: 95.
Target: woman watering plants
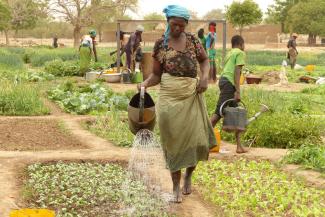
x: 86, y: 49
x: 186, y: 133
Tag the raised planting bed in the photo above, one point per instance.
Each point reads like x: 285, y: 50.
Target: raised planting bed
x: 25, y: 134
x: 88, y: 190
x: 256, y: 188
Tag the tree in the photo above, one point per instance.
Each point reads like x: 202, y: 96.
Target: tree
x: 278, y: 12
x: 24, y: 14
x: 80, y: 13
x: 110, y: 14
x: 214, y: 14
x: 5, y: 19
x: 241, y: 14
x: 152, y: 16
x: 302, y: 19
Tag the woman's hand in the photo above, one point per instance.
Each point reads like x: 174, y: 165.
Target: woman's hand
x: 143, y: 84
x: 202, y: 86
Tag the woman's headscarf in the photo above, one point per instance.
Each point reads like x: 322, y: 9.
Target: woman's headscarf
x: 174, y: 11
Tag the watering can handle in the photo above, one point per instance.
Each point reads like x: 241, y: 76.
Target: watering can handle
x: 227, y: 101
x: 141, y: 104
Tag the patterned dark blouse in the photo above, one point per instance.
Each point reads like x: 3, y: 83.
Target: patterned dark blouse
x: 180, y: 63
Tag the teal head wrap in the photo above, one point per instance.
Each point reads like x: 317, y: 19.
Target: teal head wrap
x: 92, y: 33
x: 174, y: 11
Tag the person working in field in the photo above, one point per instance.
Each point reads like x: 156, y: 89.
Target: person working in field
x: 185, y: 130
x: 229, y: 83
x: 86, y: 50
x: 200, y: 35
x: 210, y: 42
x: 132, y: 46
x: 292, y: 53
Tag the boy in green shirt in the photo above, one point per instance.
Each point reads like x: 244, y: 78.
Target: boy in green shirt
x: 229, y: 83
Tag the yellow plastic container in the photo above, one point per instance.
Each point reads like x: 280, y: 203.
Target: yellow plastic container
x: 310, y: 68
x: 242, y: 79
x: 32, y: 213
x: 218, y: 137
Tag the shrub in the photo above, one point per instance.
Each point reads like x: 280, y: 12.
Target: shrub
x: 320, y: 90
x: 9, y: 60
x: 310, y: 156
x: 59, y: 68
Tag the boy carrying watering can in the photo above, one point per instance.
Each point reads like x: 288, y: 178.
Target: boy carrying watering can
x: 229, y: 83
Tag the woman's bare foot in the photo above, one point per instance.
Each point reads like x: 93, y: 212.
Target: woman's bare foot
x: 240, y: 150
x: 187, y: 188
x: 177, y: 197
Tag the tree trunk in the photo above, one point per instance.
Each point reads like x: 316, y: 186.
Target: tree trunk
x: 76, y: 35
x: 240, y: 31
x: 7, y: 37
x: 100, y: 34
x: 311, y: 39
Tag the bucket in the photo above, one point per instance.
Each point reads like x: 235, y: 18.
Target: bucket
x: 137, y: 77
x: 32, y: 213
x: 216, y: 148
x: 310, y: 68
x: 242, y: 79
x: 141, y: 112
x: 126, y: 76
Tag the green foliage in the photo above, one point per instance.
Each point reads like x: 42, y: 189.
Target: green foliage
x: 310, y: 156
x: 301, y: 17
x: 256, y: 188
x: 284, y: 131
x: 214, y: 14
x: 9, y: 60
x: 59, y: 68
x: 114, y: 128
x: 88, y: 190
x: 242, y: 14
x: 5, y: 16
x: 40, y: 76
x: 319, y: 90
x: 278, y: 12
x: 25, y: 14
x: 38, y: 57
x: 88, y: 98
x: 20, y: 99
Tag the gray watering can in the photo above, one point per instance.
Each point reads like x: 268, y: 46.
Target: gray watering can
x: 141, y: 112
x: 235, y: 118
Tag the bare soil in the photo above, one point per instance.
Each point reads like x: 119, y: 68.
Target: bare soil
x: 35, y: 135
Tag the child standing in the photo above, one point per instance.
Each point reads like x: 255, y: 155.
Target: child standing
x: 229, y: 83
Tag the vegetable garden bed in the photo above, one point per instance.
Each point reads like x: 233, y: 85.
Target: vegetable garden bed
x: 88, y: 190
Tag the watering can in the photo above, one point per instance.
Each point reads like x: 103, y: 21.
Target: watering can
x: 126, y: 76
x: 141, y: 112
x: 235, y: 118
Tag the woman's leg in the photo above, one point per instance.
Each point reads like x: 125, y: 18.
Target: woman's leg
x: 176, y: 178
x: 187, y: 188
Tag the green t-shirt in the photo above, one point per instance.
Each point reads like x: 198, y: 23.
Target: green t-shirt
x: 235, y: 57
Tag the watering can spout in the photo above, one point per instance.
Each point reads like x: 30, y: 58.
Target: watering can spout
x: 263, y: 109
